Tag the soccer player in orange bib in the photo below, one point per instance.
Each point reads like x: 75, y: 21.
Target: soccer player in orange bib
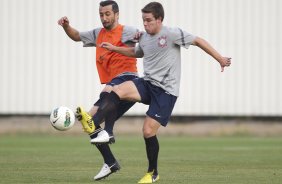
x: 113, y: 69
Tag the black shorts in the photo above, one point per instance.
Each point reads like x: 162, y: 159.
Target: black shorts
x: 160, y: 102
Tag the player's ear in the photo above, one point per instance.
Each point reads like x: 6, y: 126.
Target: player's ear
x: 117, y: 15
x: 159, y: 20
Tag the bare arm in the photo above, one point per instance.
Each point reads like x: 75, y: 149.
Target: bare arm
x: 204, y: 45
x: 127, y: 51
x: 71, y: 32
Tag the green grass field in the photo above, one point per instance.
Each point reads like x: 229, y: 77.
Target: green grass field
x: 71, y: 159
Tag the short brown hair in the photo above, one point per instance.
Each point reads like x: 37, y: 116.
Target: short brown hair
x: 156, y: 9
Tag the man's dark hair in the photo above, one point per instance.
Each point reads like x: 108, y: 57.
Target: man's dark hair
x: 156, y: 9
x: 110, y: 2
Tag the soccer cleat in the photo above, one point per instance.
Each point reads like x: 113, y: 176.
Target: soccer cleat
x: 149, y: 178
x: 85, y: 120
x: 95, y: 133
x: 102, y: 138
x: 107, y: 170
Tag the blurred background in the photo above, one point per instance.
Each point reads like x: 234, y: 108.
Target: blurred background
x: 41, y: 68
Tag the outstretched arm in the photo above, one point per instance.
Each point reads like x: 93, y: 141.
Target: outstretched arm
x: 71, y: 32
x: 204, y: 45
x: 127, y: 51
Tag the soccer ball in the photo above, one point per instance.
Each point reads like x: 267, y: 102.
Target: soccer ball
x: 62, y: 118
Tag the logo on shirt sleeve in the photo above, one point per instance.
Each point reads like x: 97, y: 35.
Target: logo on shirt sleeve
x: 162, y: 41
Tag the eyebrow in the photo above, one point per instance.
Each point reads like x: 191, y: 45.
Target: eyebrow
x: 148, y: 18
x: 105, y: 12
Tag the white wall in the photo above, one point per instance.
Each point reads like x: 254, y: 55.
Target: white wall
x: 42, y: 68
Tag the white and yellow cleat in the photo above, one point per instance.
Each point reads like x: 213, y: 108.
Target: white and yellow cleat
x: 85, y: 120
x: 149, y: 178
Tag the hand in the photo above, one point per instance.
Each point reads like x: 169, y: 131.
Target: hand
x: 137, y: 36
x: 107, y: 46
x: 225, y: 62
x: 64, y: 21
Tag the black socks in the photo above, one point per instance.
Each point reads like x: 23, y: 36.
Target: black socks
x: 152, y: 149
x: 108, y: 110
x: 104, y: 149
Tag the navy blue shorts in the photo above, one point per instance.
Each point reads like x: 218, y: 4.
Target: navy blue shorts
x: 124, y: 106
x: 121, y: 79
x: 160, y: 102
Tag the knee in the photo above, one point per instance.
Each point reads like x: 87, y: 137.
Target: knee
x: 148, y: 132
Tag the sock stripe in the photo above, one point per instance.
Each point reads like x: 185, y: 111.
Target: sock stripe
x: 96, y: 131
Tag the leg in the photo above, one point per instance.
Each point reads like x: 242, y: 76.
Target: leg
x: 150, y: 129
x: 110, y: 163
x: 88, y: 124
x: 160, y: 109
x: 104, y: 149
x: 87, y: 119
x: 123, y: 107
x: 110, y: 105
x: 106, y: 91
x: 127, y: 91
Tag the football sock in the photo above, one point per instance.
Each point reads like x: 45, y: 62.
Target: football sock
x: 108, y: 110
x: 104, y: 149
x: 109, y: 123
x: 96, y: 117
x: 106, y: 153
x: 123, y: 107
x: 152, y: 149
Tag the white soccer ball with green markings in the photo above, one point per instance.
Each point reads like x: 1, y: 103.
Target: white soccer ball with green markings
x: 62, y: 118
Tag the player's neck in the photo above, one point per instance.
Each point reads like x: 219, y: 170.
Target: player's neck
x: 113, y: 27
x: 158, y: 30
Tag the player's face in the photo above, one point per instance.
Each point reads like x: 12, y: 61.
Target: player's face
x: 151, y: 25
x: 108, y: 18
